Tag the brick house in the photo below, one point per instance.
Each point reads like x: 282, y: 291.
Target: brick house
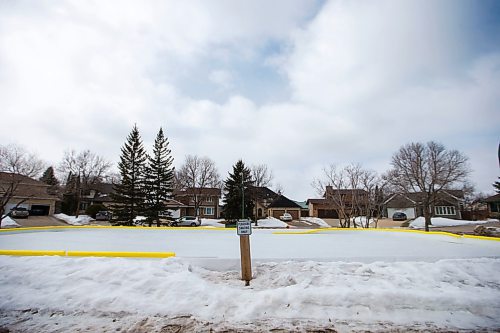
x: 206, y: 200
x: 448, y: 204
x: 29, y: 193
x: 336, y: 200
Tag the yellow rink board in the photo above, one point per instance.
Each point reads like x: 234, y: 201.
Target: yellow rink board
x: 116, y: 254
x: 313, y: 231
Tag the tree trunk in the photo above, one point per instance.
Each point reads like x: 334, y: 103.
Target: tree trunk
x: 427, y: 217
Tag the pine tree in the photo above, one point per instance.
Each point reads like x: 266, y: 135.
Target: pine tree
x: 129, y: 195
x: 49, y: 178
x: 235, y: 186
x: 496, y: 185
x: 159, y: 179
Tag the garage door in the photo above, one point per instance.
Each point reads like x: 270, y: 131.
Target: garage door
x: 278, y: 213
x: 39, y: 210
x: 328, y: 213
x: 410, y: 212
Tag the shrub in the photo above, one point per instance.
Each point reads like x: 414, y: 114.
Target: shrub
x: 94, y: 209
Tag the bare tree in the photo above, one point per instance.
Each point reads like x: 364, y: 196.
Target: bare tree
x: 83, y: 169
x: 332, y: 187
x: 196, y: 174
x: 350, y: 191
x: 261, y: 175
x: 15, y: 159
x: 429, y: 169
x: 16, y: 162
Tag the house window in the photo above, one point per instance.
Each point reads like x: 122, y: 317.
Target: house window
x: 210, y: 199
x: 209, y: 211
x: 445, y: 210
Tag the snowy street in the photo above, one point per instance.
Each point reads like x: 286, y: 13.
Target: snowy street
x: 343, y: 281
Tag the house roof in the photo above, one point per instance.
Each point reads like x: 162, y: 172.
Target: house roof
x: 263, y: 192
x: 197, y: 190
x: 417, y: 197
x: 330, y: 190
x: 317, y: 201
x: 302, y: 204
x: 104, y: 188
x: 26, y: 187
x: 493, y: 198
x: 283, y: 202
x: 171, y: 203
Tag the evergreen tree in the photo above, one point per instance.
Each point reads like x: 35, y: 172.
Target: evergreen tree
x: 49, y: 178
x: 496, y: 185
x: 159, y: 179
x: 235, y: 186
x: 129, y: 194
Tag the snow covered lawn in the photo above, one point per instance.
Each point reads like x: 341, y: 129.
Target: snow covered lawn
x: 342, y: 280
x: 419, y: 222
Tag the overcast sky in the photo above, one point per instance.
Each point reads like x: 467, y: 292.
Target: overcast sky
x: 296, y: 85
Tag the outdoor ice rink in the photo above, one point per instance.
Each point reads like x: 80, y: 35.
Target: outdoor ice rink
x: 206, y: 244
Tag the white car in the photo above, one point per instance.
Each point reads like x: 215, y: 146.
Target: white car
x: 286, y: 217
x: 186, y: 221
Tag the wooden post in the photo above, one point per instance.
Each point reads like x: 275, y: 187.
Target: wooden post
x: 246, y: 262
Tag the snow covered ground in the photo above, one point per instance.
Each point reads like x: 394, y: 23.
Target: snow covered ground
x: 342, y: 280
x: 419, y: 222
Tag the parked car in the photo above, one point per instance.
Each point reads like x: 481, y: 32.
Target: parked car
x: 19, y: 212
x: 103, y: 215
x: 186, y: 221
x: 286, y: 217
x: 398, y: 216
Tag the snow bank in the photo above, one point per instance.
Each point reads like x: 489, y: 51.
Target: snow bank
x: 271, y: 222
x: 315, y: 221
x: 419, y: 222
x: 212, y: 223
x: 73, y: 220
x: 7, y: 222
x: 361, y: 220
x: 104, y: 294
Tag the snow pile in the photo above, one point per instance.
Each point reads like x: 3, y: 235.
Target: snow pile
x: 7, y: 222
x: 448, y: 295
x: 315, y: 220
x: 73, y: 220
x: 419, y: 222
x: 361, y: 221
x: 212, y: 223
x: 271, y: 222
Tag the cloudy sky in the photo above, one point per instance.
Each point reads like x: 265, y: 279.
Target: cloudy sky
x: 296, y: 85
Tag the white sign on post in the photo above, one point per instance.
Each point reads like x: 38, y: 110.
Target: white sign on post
x: 244, y: 227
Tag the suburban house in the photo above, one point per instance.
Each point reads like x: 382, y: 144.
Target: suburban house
x: 493, y: 205
x: 283, y: 205
x: 207, y: 199
x: 336, y: 200
x: 98, y: 194
x: 28, y: 193
x: 448, y: 204
x: 263, y: 197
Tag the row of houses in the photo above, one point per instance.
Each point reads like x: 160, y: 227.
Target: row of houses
x: 34, y: 195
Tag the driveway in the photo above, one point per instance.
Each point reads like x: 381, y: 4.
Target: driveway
x: 40, y: 221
